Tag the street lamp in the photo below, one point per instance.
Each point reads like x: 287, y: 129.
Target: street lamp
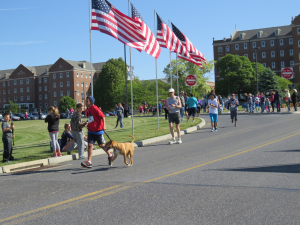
x: 256, y: 69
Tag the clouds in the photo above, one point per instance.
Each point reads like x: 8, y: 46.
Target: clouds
x: 15, y: 9
x: 22, y: 43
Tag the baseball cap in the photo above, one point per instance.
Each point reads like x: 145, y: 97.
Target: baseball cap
x: 171, y: 90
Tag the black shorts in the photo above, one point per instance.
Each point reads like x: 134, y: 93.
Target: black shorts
x: 174, y: 118
x: 186, y: 108
x: 233, y: 114
x: 192, y: 111
x: 198, y: 109
x: 92, y: 138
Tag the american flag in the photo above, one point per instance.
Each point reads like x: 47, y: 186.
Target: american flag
x: 197, y: 56
x: 167, y: 39
x: 107, y: 19
x: 151, y: 46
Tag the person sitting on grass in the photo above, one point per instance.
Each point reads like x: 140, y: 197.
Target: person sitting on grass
x: 67, y: 139
x: 6, y: 138
x: 53, y: 124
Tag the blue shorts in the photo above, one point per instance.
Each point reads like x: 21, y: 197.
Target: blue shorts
x: 213, y: 118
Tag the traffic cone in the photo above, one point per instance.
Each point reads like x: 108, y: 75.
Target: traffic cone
x: 282, y: 105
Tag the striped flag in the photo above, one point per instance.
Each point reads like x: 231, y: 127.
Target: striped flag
x: 151, y: 46
x: 107, y: 19
x: 167, y: 39
x: 197, y: 57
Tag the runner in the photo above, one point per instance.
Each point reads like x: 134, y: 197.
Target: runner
x: 174, y: 106
x: 96, y: 127
x: 234, y: 103
x: 213, y: 112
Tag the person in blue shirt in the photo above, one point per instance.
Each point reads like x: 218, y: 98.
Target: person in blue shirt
x: 159, y: 108
x: 192, y: 104
x: 67, y: 139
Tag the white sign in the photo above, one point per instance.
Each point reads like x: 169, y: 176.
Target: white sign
x: 132, y: 70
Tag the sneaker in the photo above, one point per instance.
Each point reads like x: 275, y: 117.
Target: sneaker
x: 216, y: 129
x: 54, y: 155
x: 235, y: 125
x: 179, y: 141
x: 59, y: 155
x: 81, y: 157
x: 69, y: 152
x: 173, y: 141
x: 110, y: 158
x: 231, y: 121
x: 86, y: 164
x: 212, y: 130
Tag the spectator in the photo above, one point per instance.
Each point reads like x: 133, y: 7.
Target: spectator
x: 182, y: 104
x: 6, y: 138
x: 140, y: 109
x: 192, y: 104
x: 66, y: 139
x: 53, y: 125
x: 204, y: 104
x: 277, y: 99
x: 272, y: 101
x: 221, y: 103
x: 199, y: 105
x: 246, y: 99
x: 150, y: 110
x: 116, y: 108
x: 250, y: 103
x: 71, y: 111
x: 125, y: 110
x: 160, y: 108
x: 120, y: 112
x: 68, y: 112
x: 267, y: 107
x: 165, y: 108
x: 262, y: 102
x: 40, y: 114
x: 287, y: 98
x: 257, y: 101
x: 186, y: 106
x: 26, y: 115
x: 294, y: 99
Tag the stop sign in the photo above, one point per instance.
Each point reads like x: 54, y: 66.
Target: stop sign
x: 287, y: 73
x: 190, y: 80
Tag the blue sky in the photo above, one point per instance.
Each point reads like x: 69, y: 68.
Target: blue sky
x: 39, y: 32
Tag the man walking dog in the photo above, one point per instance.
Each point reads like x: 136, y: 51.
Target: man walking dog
x: 96, y: 127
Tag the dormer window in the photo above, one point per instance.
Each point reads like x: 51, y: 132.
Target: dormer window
x: 277, y: 32
x: 242, y: 36
x: 259, y: 34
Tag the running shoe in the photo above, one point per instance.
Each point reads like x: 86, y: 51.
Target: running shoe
x: 54, y: 155
x: 179, y: 141
x: 232, y: 121
x: 173, y: 141
x: 216, y: 129
x: 110, y: 158
x: 212, y: 130
x: 59, y: 155
x: 235, y: 125
x: 86, y: 164
x: 81, y: 157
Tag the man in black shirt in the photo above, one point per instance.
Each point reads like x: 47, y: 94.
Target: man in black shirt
x: 277, y: 99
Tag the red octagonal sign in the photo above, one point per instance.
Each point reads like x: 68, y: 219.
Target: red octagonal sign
x: 190, y: 80
x: 287, y: 73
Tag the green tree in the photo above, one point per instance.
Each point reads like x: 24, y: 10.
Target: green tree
x: 268, y: 81
x: 66, y: 102
x: 13, y: 107
x: 186, y: 68
x: 283, y: 84
x: 260, y: 70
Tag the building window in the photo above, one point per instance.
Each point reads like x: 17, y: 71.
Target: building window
x: 81, y: 75
x: 291, y: 52
x: 281, y: 41
x: 15, y: 82
x: 54, y: 94
x: 67, y: 74
x: 78, y: 101
x: 28, y: 89
x: 220, y: 49
x: 82, y: 84
x: 45, y: 80
x: 4, y: 92
x: 28, y: 97
x: 68, y: 83
x: 45, y: 88
x: 54, y: 85
x: 264, y: 55
x: 8, y: 91
x: 21, y: 81
x: 78, y: 83
x: 245, y: 45
x: 3, y: 84
x: 61, y: 94
x: 291, y: 63
x: 254, y: 44
x: 281, y: 53
x: 272, y: 54
x: 54, y: 76
x: 8, y: 83
x: 21, y: 98
x: 61, y: 84
x: 46, y: 97
x: 86, y: 84
x: 82, y: 102
x: 86, y: 73
x: 77, y: 74
x: 15, y: 90
x: 298, y: 43
x: 21, y: 90
x: 254, y: 56
x: 60, y: 75
x: 46, y: 105
x: 298, y: 29
x: 55, y: 103
x: 299, y: 56
x: 77, y: 93
x: 236, y: 46
x: 15, y: 99
x: 40, y: 105
x: 282, y: 64
x: 40, y: 88
x: 290, y: 41
x: 4, y: 99
x: 273, y: 65
x: 263, y: 44
x: 40, y: 97
x: 272, y: 43
x: 90, y: 76
x: 265, y: 65
x: 27, y: 81
x: 40, y: 80
x: 68, y: 93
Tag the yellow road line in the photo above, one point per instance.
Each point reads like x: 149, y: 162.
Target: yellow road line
x: 120, y: 187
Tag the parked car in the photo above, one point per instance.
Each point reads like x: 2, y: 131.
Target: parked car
x: 15, y: 118
x: 1, y: 117
x: 33, y: 116
x: 109, y: 113
x: 22, y: 116
x: 44, y: 115
x: 65, y: 116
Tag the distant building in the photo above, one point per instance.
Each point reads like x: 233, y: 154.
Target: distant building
x: 43, y: 86
x: 279, y: 47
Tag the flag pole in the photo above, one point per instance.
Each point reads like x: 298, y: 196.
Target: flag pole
x: 171, y: 76
x: 157, y: 108
x: 90, y: 25
x: 177, y: 73
x: 126, y: 76
x: 131, y: 78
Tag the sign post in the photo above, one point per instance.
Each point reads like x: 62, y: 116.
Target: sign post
x: 287, y: 73
x: 191, y: 80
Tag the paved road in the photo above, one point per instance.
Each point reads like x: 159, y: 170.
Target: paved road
x: 238, y: 175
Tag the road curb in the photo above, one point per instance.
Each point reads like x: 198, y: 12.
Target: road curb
x: 75, y: 156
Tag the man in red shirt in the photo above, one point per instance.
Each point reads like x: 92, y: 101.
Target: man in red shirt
x: 96, y: 127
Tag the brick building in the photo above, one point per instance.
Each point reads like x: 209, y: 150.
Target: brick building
x: 43, y: 86
x: 276, y: 47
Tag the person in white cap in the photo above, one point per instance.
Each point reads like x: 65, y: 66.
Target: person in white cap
x: 174, y: 106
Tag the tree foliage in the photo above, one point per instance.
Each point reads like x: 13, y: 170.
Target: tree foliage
x: 283, y: 84
x: 66, y: 102
x: 268, y: 81
x: 13, y: 107
x: 186, y: 68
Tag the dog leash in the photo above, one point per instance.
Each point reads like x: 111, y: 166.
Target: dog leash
x: 107, y: 135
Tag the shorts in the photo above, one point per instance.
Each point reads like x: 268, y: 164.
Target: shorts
x: 92, y: 138
x: 213, y: 118
x: 233, y: 114
x: 174, y: 118
x: 141, y: 111
x: 198, y: 109
x: 192, y: 111
x: 186, y: 108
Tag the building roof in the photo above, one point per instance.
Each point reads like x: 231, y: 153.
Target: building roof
x: 3, y: 72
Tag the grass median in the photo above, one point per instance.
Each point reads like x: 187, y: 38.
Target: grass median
x: 32, y: 140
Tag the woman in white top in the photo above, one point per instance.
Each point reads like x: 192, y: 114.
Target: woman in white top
x: 287, y: 98
x: 213, y: 112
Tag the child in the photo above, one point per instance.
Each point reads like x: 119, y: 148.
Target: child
x: 6, y: 138
x: 267, y: 107
x: 256, y: 99
x: 140, y: 109
x: 53, y: 123
x: 67, y: 139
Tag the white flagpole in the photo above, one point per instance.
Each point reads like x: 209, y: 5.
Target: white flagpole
x: 171, y: 76
x: 131, y: 78
x: 157, y: 109
x: 90, y: 26
x: 177, y: 73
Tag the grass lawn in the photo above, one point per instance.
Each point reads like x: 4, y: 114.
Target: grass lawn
x: 32, y: 140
